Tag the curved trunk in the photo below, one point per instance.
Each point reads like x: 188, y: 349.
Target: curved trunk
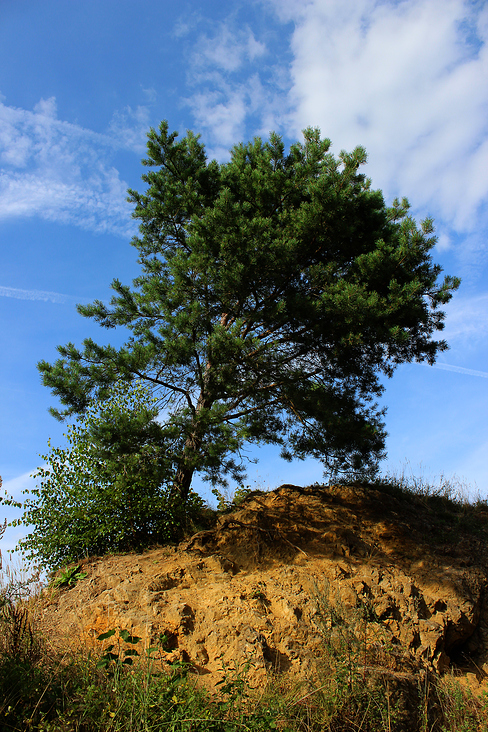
x: 192, y: 448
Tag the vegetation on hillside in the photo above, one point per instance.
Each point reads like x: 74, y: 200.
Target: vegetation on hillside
x: 42, y: 690
x: 107, y: 490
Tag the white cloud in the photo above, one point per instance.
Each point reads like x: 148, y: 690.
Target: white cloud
x: 234, y: 87
x: 228, y: 49
x: 408, y: 81
x: 130, y: 127
x: 404, y: 78
x: 62, y: 172
x: 150, y: 93
x: 43, y: 296
x: 186, y: 24
x: 227, y: 115
x: 459, y: 370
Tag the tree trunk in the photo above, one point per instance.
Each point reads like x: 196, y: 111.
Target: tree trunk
x: 193, y: 445
x: 182, y: 481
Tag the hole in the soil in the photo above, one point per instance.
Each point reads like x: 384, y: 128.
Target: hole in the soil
x: 278, y: 660
x: 167, y: 640
x: 440, y: 606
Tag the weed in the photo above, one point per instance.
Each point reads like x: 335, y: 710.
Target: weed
x: 441, y: 489
x: 258, y: 593
x: 69, y: 577
x: 462, y: 710
x: 109, y: 658
x: 356, y: 693
x: 227, y: 501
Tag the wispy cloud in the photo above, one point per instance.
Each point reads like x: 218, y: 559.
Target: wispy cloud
x: 129, y: 127
x: 238, y: 83
x: 63, y: 172
x: 228, y: 49
x: 43, y: 296
x: 16, y: 486
x: 467, y: 321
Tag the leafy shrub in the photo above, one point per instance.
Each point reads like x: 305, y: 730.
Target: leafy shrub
x: 109, y: 489
x: 227, y: 502
x: 69, y: 577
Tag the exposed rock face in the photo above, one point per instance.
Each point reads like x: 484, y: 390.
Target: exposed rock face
x: 273, y: 581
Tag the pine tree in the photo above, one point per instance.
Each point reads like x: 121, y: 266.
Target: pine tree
x: 275, y: 290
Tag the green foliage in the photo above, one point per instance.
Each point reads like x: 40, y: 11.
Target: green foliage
x: 43, y: 692
x: 126, y: 657
x: 463, y: 710
x: 69, y: 577
x: 275, y: 290
x: 107, y: 490
x: 258, y: 594
x: 226, y: 502
x: 353, y: 696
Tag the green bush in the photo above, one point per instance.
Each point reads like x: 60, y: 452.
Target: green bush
x: 109, y: 489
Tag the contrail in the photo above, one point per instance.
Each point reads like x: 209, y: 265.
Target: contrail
x: 43, y: 295
x: 56, y: 297
x: 461, y: 370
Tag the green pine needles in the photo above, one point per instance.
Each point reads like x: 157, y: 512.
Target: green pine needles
x: 275, y: 290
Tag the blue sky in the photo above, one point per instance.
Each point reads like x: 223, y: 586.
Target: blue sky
x: 81, y: 81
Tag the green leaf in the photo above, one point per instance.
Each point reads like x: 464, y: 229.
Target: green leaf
x: 106, y: 635
x: 128, y: 638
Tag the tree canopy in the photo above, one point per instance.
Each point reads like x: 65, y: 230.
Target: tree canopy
x: 275, y: 291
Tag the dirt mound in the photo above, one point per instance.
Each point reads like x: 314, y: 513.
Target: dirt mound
x: 292, y: 572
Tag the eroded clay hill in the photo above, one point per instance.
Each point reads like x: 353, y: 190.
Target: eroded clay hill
x: 274, y: 579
